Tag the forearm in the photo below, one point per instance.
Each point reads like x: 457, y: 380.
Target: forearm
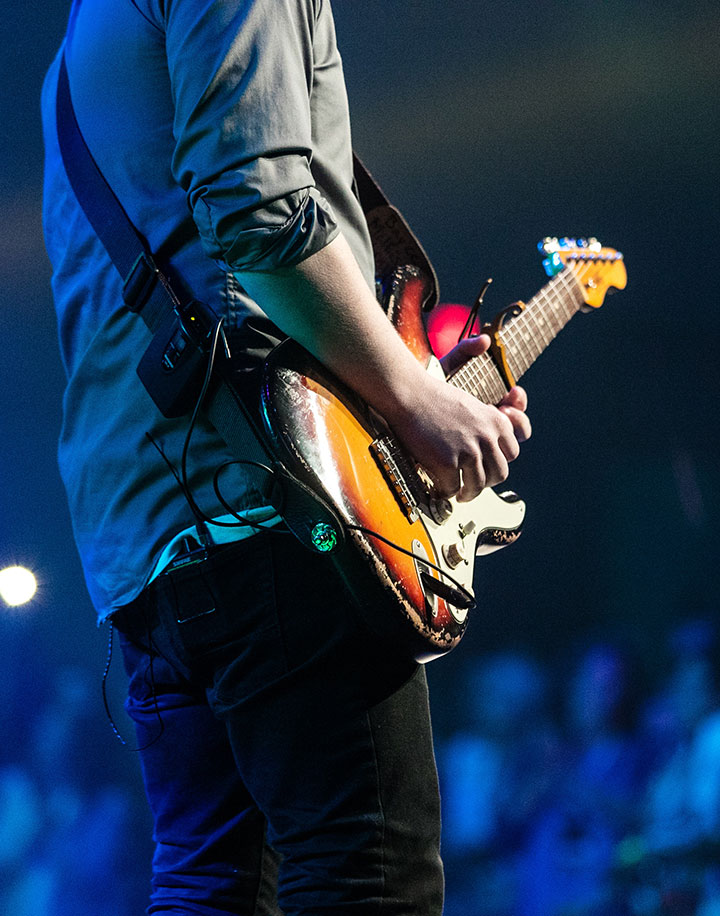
x: 325, y: 304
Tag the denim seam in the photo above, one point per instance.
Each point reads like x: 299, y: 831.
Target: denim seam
x: 381, y: 808
x: 261, y: 866
x: 278, y: 619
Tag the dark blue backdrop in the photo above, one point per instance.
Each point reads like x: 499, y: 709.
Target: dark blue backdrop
x: 490, y: 125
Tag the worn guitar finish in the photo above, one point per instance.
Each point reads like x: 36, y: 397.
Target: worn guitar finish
x: 420, y: 549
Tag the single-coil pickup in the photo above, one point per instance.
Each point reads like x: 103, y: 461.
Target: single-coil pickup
x: 393, y: 465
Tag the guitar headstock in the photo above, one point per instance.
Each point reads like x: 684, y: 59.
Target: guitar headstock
x: 595, y: 268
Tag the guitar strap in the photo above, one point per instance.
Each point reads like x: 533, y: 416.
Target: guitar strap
x: 173, y: 367
x: 394, y: 243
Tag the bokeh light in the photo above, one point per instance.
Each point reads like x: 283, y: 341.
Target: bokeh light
x: 444, y: 326
x: 17, y: 585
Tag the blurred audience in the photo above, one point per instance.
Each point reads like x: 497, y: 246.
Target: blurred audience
x: 66, y: 823
x: 496, y: 774
x: 592, y: 801
x: 677, y: 846
x: 569, y: 852
x: 568, y: 792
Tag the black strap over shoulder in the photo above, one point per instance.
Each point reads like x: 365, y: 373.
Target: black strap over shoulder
x: 174, y: 366
x: 128, y: 250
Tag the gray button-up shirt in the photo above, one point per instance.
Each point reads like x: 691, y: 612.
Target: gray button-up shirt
x: 222, y: 126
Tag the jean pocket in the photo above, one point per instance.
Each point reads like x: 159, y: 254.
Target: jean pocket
x: 227, y: 600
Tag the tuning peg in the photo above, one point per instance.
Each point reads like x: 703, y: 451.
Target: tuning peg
x: 567, y: 243
x: 548, y: 245
x: 553, y: 264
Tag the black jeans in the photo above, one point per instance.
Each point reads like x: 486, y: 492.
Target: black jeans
x: 279, y: 729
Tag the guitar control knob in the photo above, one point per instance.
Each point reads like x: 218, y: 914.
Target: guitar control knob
x: 454, y: 555
x: 440, y: 510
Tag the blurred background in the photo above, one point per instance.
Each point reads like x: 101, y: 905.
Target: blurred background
x: 578, y: 724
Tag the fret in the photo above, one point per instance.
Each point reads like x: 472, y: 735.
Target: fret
x: 574, y: 290
x: 524, y: 331
x: 552, y: 305
x: 490, y: 387
x: 516, y: 353
x: 480, y: 377
x: 543, y: 329
x: 550, y: 309
x: 564, y: 312
x: 526, y: 335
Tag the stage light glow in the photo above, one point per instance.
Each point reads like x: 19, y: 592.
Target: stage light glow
x: 444, y: 325
x: 17, y: 585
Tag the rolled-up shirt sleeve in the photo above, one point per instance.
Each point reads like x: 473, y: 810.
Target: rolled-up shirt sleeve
x: 241, y: 76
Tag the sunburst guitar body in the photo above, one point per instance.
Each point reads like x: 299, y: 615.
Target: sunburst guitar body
x: 416, y: 552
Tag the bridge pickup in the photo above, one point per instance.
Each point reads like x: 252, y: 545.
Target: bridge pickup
x: 393, y: 464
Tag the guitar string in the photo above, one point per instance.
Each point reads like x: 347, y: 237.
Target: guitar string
x: 545, y: 316
x: 539, y: 316
x: 478, y: 368
x: 520, y: 334
x: 566, y: 300
x: 480, y: 376
x: 489, y: 366
x: 480, y: 372
x: 540, y: 305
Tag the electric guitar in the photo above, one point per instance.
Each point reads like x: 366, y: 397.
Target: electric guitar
x: 411, y: 545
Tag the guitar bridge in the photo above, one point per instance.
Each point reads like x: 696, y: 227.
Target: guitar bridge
x: 393, y: 464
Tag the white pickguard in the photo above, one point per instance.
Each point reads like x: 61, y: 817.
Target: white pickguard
x: 487, y: 523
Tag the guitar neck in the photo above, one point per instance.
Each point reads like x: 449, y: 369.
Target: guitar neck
x: 523, y: 337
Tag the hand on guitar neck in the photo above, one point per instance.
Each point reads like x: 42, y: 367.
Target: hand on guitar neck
x: 325, y: 305
x: 471, y: 453
x: 513, y: 405
x: 419, y: 550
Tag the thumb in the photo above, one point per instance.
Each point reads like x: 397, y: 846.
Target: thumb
x: 465, y: 350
